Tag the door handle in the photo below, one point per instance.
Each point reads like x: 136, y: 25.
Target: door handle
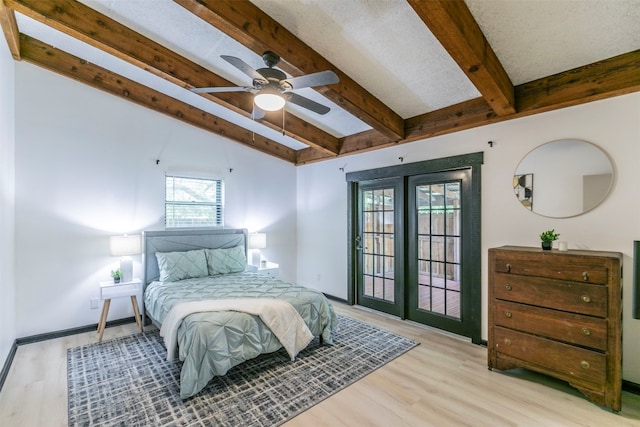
x: 358, y: 243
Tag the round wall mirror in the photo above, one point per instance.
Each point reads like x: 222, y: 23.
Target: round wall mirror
x: 563, y: 178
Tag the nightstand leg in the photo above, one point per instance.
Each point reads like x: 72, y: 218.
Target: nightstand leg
x: 136, y: 312
x: 103, y: 318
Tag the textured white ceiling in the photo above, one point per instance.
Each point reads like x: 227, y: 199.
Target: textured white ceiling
x: 178, y: 29
x: 539, y: 38
x: 381, y: 44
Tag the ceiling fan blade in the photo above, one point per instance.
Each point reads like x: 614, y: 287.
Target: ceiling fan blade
x: 221, y: 89
x: 244, y: 67
x: 316, y: 79
x: 307, y: 103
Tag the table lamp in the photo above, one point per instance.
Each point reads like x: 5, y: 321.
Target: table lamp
x: 256, y: 242
x: 125, y: 246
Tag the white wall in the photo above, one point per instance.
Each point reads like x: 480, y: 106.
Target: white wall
x: 612, y: 124
x: 7, y: 202
x: 86, y: 169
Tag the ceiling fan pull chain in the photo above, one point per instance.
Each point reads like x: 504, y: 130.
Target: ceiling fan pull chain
x: 283, y: 122
x: 253, y: 134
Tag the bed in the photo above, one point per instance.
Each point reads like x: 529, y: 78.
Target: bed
x: 209, y: 343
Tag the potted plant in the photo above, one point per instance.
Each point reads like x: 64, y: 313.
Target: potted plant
x: 117, y: 275
x: 547, y: 238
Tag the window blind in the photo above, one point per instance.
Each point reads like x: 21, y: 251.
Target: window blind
x: 193, y: 202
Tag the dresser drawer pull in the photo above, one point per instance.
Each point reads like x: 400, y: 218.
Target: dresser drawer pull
x: 585, y: 276
x: 586, y: 298
x: 507, y: 341
x: 508, y: 314
x: 507, y: 287
x: 508, y: 268
x: 586, y: 331
x: 584, y: 364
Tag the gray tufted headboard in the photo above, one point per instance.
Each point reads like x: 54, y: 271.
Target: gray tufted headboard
x: 185, y: 240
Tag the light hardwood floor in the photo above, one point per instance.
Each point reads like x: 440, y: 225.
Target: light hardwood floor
x: 442, y: 382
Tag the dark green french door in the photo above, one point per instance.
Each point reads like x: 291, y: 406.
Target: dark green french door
x: 379, y: 246
x: 415, y: 249
x: 436, y: 279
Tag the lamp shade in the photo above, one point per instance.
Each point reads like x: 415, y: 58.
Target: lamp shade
x: 257, y: 240
x: 124, y: 245
x: 269, y: 101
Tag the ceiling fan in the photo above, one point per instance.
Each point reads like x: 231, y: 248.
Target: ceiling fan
x: 273, y: 88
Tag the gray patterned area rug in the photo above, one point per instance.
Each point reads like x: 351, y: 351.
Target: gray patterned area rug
x: 128, y: 382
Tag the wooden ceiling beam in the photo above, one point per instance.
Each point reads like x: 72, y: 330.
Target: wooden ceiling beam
x: 614, y: 76
x: 46, y: 56
x: 104, y: 33
x: 454, y: 118
x: 309, y: 155
x: 246, y: 23
x: 453, y: 25
x: 603, y: 79
x: 10, y: 30
x: 462, y: 116
x: 366, y: 141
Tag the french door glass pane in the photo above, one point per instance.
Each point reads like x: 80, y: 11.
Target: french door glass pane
x: 388, y: 222
x: 424, y: 222
x: 437, y: 300
x: 453, y: 249
x: 437, y: 248
x: 378, y: 287
x: 368, y: 243
x: 377, y: 222
x: 424, y: 247
x: 453, y: 304
x: 389, y: 201
x: 368, y: 221
x: 389, y: 241
x: 367, y: 201
x: 453, y: 276
x: 368, y: 265
x: 453, y: 222
x: 368, y: 285
x: 452, y: 194
x: 378, y: 200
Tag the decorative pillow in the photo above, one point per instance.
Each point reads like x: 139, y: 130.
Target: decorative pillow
x: 223, y: 261
x: 181, y: 265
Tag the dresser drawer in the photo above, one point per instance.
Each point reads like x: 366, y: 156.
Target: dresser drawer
x: 553, y: 267
x: 576, y: 365
x: 568, y: 327
x: 567, y: 296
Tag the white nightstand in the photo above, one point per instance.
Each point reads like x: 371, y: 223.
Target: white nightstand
x: 110, y: 290
x: 270, y: 269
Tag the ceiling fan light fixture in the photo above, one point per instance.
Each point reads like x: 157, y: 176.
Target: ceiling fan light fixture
x: 269, y: 101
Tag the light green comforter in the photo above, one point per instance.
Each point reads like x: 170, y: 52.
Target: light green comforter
x: 212, y: 343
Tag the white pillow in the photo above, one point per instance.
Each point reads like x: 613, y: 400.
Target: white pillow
x: 224, y: 261
x: 181, y: 265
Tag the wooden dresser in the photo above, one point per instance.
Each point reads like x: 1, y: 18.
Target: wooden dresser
x: 558, y: 313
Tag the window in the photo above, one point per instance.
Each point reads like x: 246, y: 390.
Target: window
x: 193, y: 202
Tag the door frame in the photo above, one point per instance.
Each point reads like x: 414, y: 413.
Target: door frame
x: 471, y: 161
